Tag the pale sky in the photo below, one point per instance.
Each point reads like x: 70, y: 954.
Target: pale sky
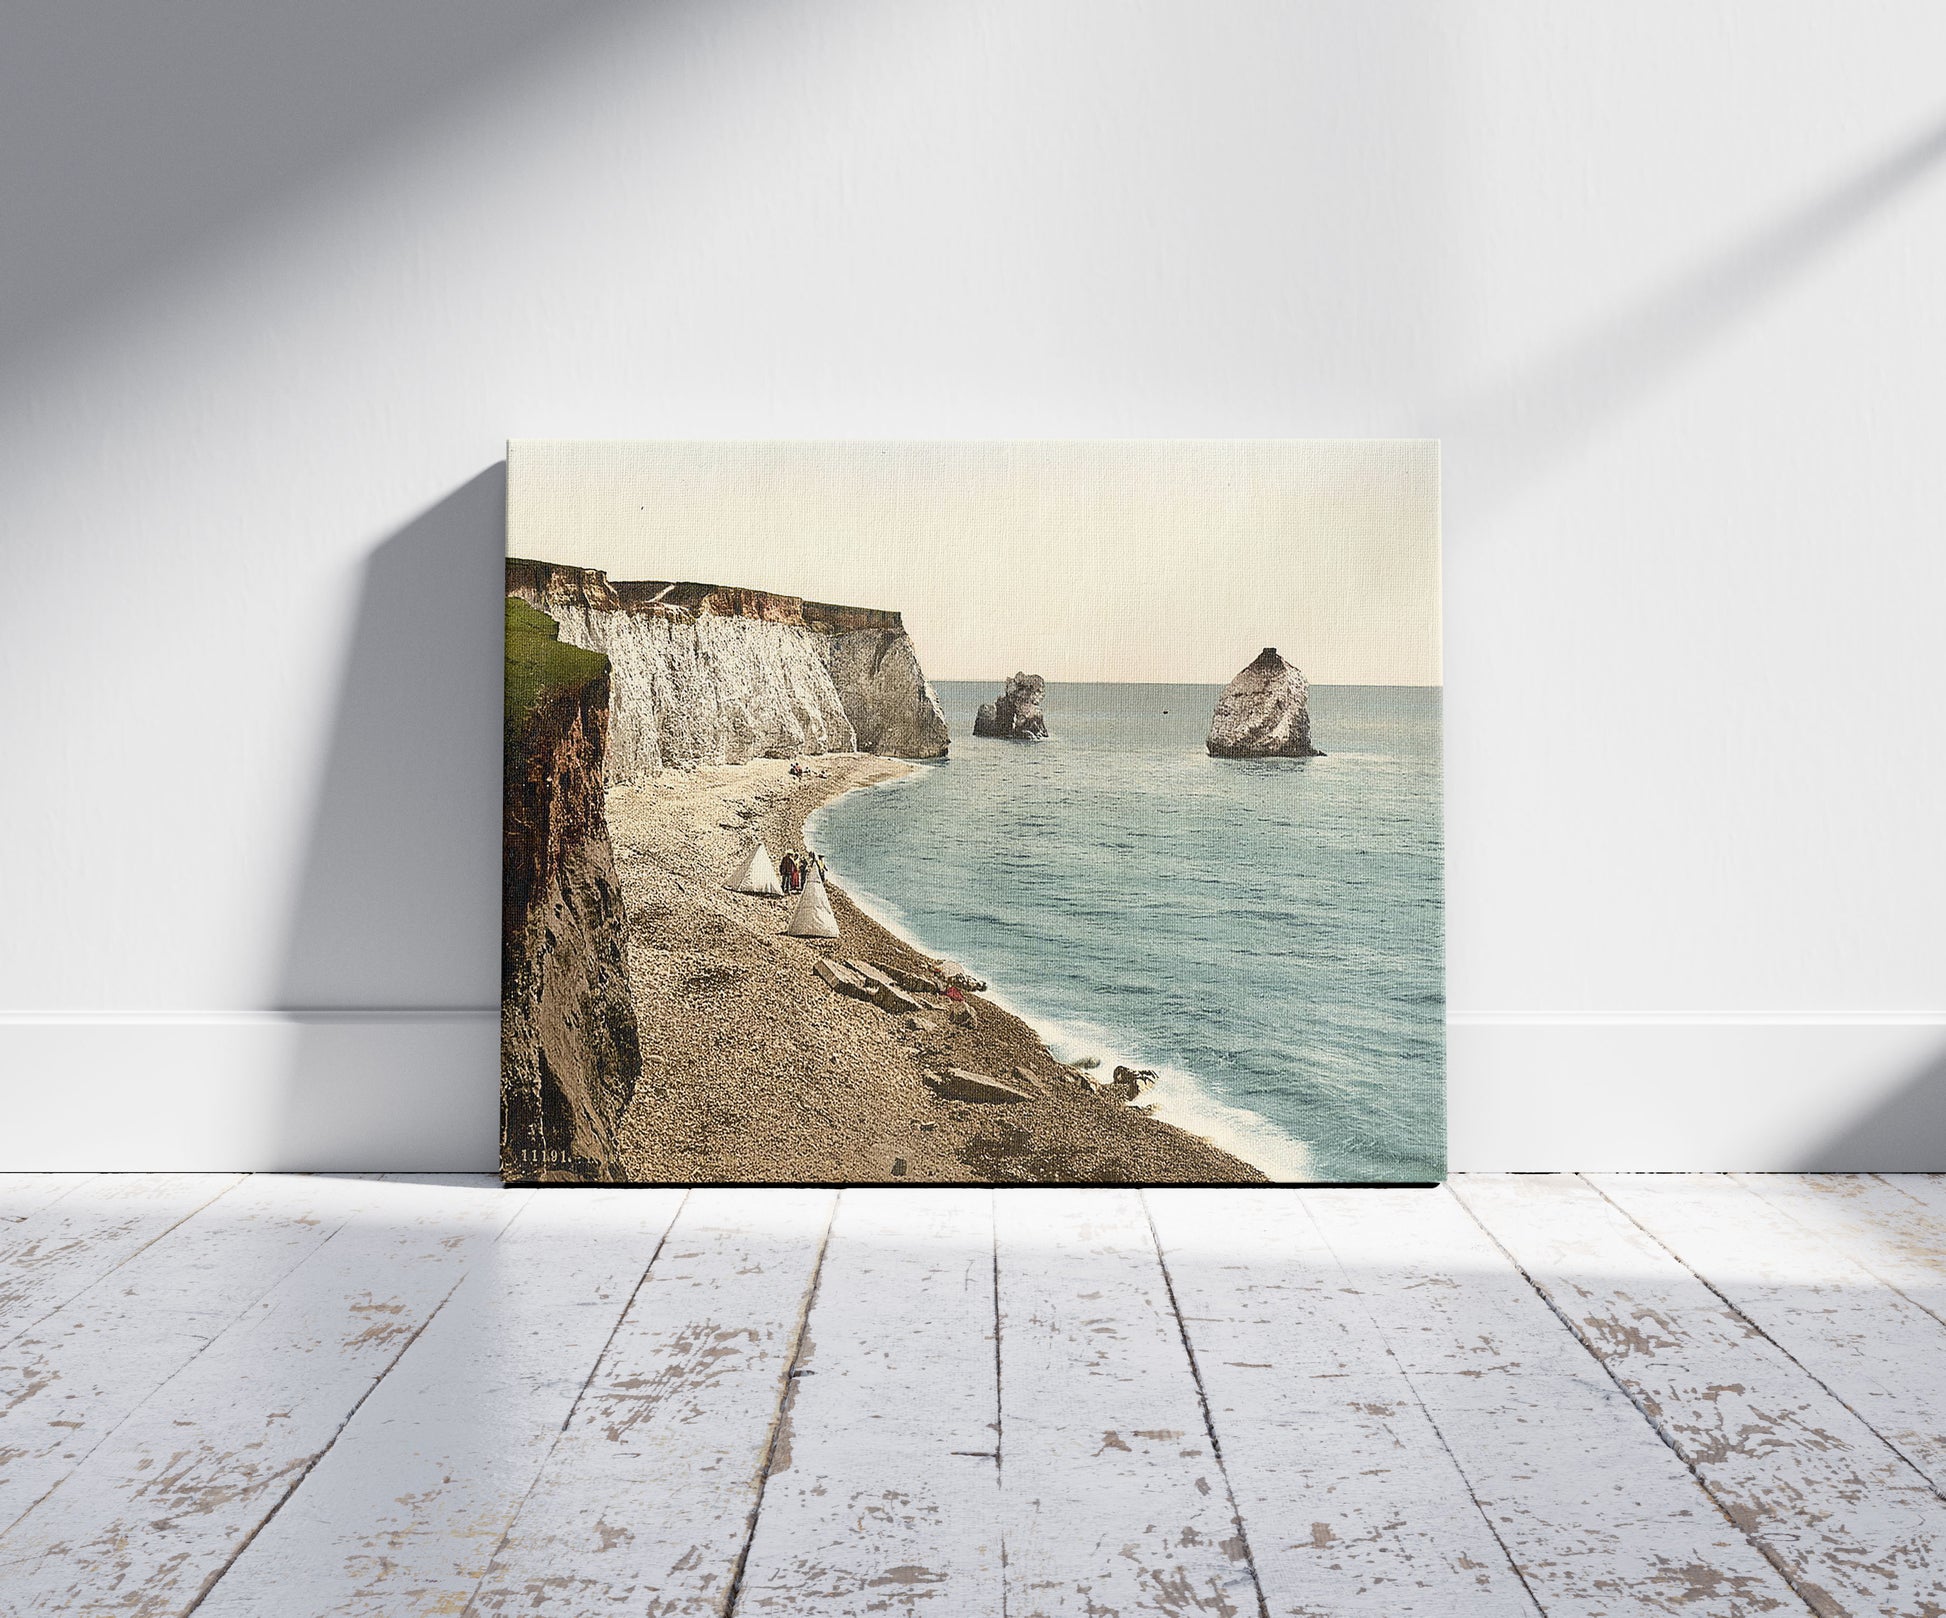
x: 1161, y: 560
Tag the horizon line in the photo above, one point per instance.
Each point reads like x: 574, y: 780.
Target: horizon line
x: 1378, y: 685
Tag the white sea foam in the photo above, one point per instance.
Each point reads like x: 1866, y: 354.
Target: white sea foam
x: 1178, y: 1097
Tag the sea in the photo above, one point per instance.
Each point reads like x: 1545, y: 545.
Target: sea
x: 1266, y: 934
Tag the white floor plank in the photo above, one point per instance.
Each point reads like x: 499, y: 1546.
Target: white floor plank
x: 1878, y: 1352
x: 270, y: 1399
x: 22, y: 1194
x: 645, y: 1504
x: 166, y: 1501
x: 1350, y: 1501
x: 1894, y: 1224
x: 1857, y: 1529
x: 403, y: 1514
x: 1929, y: 1189
x: 60, y: 1249
x: 69, y: 1380
x: 1112, y: 1499
x: 1600, y: 1517
x: 884, y: 1495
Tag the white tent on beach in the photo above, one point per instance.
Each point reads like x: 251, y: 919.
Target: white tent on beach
x: 813, y: 918
x: 756, y: 874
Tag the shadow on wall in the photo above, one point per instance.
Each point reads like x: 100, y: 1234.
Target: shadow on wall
x: 1515, y: 432
x: 1906, y: 1132
x: 175, y: 125
x: 391, y: 965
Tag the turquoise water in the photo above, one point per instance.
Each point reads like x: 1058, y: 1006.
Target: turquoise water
x: 1267, y: 934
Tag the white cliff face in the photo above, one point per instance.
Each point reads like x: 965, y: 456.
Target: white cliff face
x: 713, y: 691
x: 891, y: 707
x: 1264, y: 712
x: 704, y: 675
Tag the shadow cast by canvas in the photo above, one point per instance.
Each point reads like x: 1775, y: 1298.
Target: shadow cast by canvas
x: 1904, y: 1134
x: 136, y: 141
x: 392, y: 948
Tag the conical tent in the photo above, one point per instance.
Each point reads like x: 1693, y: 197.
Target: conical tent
x: 812, y: 918
x: 755, y: 874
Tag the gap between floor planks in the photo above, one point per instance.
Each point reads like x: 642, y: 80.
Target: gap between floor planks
x: 848, y: 1434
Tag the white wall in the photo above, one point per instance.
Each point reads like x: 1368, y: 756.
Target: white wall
x: 1664, y: 277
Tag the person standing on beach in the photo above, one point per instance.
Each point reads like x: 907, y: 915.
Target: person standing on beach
x: 957, y: 1008
x: 787, y: 871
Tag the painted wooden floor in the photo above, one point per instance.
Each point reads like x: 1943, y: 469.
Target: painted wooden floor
x: 1562, y: 1395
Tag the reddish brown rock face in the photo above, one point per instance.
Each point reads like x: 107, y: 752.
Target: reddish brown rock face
x: 570, y: 1052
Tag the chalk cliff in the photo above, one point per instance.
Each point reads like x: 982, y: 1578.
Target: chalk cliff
x: 1265, y: 712
x: 570, y: 1050
x: 1015, y: 715
x: 713, y: 674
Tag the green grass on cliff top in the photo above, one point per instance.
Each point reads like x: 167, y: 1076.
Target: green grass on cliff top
x: 539, y: 660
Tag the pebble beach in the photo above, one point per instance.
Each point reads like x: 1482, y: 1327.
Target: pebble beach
x: 756, y: 1070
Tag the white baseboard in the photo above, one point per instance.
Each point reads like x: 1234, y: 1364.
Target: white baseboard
x: 1815, y: 1091
x: 250, y: 1090
x: 401, y: 1090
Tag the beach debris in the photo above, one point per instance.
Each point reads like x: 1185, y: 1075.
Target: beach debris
x: 1028, y: 1077
x: 811, y: 917
x: 1086, y: 1062
x: 1130, y: 1082
x: 898, y: 1167
x: 962, y: 1013
x: 871, y: 974
x: 884, y: 991
x: 916, y: 982
x: 839, y: 975
x: 959, y: 1084
x: 959, y: 977
x: 1015, y: 715
x: 865, y: 982
x: 755, y: 873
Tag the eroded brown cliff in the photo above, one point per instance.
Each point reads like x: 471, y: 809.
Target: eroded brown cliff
x: 570, y: 1052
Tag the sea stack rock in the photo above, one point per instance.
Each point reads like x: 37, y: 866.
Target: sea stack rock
x: 1264, y: 713
x: 1015, y: 715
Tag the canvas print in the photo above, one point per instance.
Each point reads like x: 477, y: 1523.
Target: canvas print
x: 994, y: 813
